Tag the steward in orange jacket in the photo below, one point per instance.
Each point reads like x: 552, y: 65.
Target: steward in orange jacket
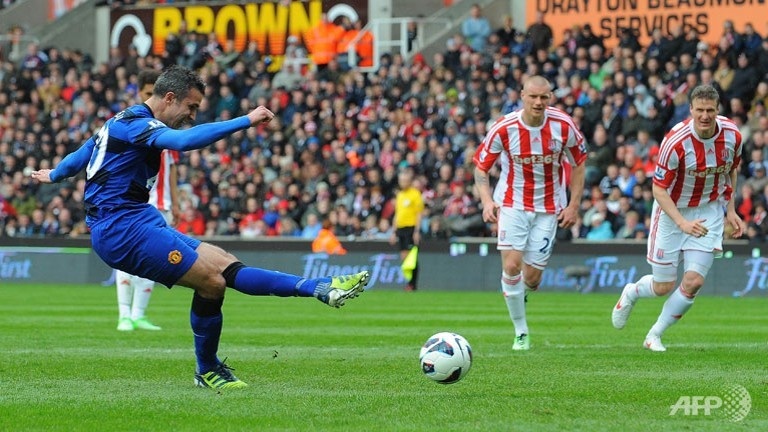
x: 364, y: 47
x: 327, y: 242
x: 322, y: 41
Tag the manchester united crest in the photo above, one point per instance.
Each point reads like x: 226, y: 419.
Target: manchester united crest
x: 174, y: 257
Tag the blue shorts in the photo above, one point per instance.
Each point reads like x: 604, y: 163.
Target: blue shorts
x: 138, y: 241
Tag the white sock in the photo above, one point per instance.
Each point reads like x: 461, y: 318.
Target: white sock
x: 142, y: 290
x: 124, y: 293
x: 514, y: 295
x: 674, y: 308
x: 643, y: 288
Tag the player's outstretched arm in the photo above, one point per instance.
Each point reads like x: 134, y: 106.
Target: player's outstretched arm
x: 72, y: 164
x: 206, y: 134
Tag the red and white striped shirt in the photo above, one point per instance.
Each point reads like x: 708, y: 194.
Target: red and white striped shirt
x: 532, y: 159
x: 160, y: 194
x: 696, y: 171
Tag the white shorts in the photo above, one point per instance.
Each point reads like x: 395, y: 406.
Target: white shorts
x: 666, y: 240
x: 528, y: 232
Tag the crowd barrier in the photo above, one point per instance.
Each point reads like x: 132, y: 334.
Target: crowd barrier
x: 464, y: 264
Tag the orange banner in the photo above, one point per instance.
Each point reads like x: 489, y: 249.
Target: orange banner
x: 269, y: 23
x: 607, y: 17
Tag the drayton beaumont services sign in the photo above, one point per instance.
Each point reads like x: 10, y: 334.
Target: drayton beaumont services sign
x: 463, y: 265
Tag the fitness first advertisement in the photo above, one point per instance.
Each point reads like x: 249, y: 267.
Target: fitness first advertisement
x: 742, y: 271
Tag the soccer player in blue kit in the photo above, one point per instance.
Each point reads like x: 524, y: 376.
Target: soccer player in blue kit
x: 121, y: 162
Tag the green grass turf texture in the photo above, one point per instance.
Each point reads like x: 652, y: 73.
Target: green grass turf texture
x: 314, y: 368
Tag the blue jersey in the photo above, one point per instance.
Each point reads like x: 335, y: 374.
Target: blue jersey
x: 124, y: 156
x: 124, y: 161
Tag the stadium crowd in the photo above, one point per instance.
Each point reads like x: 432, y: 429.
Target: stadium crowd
x: 340, y: 136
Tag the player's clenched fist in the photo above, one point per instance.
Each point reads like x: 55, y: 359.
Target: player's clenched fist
x: 260, y: 115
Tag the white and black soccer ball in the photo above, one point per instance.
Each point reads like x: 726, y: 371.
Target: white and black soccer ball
x: 446, y: 357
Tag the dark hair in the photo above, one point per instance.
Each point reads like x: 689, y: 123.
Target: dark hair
x: 147, y: 76
x: 179, y: 80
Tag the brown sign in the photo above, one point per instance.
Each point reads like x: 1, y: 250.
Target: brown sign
x: 268, y: 23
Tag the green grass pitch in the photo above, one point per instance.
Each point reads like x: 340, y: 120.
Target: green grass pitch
x: 312, y: 368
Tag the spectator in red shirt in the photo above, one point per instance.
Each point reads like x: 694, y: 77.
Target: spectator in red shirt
x: 191, y: 222
x: 254, y: 213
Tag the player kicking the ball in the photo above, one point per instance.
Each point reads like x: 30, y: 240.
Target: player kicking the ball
x: 695, y: 177
x: 131, y: 235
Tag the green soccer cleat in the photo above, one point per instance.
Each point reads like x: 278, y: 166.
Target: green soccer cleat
x: 522, y: 343
x: 144, y: 324
x: 342, y: 288
x: 219, y: 378
x: 125, y: 324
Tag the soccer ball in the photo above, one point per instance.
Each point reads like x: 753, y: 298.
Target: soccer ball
x: 446, y: 357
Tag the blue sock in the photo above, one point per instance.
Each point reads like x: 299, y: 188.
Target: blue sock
x: 260, y: 282
x: 206, y: 320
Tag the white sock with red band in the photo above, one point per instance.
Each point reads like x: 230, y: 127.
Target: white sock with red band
x: 514, y: 295
x: 142, y: 291
x: 124, y: 293
x: 674, y: 308
x: 644, y: 288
